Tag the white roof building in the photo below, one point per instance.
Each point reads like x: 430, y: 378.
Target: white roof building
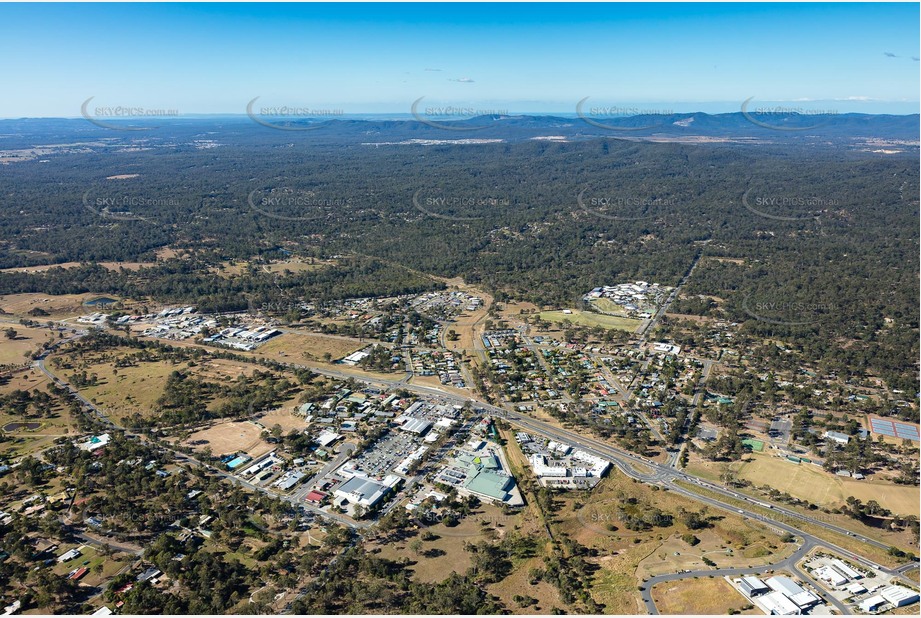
x: 596, y: 465
x: 416, y: 425
x: 856, y: 588
x: 872, y: 603
x: 837, y: 436
x: 541, y: 469
x: 804, y: 599
x: 846, y: 570
x: 779, y: 583
x: 830, y: 575
x: 261, y: 465
x: 327, y: 437
x: 365, y: 492
x: 777, y: 604
x: 899, y: 595
x: 95, y: 442
x: 752, y: 586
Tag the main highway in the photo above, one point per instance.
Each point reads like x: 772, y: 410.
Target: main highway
x: 630, y: 464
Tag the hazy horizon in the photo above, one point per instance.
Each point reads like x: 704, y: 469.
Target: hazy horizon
x: 542, y: 58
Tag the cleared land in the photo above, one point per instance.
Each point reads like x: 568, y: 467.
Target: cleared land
x: 699, y: 596
x: 810, y: 482
x: 284, y: 418
x: 518, y: 584
x: 230, y: 437
x: 296, y: 346
x: 57, y: 307
x: 608, y: 306
x: 594, y: 520
x: 125, y: 391
x: 24, y: 440
x: 470, y: 325
x: 12, y: 351
x: 66, y: 265
x: 674, y: 554
x: 445, y: 553
x: 235, y: 269
x: 849, y: 543
x: 586, y: 318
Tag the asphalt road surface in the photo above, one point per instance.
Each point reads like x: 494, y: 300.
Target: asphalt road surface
x: 660, y: 474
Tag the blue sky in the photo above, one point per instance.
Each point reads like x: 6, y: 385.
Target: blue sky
x: 214, y: 58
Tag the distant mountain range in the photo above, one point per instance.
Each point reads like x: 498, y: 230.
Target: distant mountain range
x: 886, y: 134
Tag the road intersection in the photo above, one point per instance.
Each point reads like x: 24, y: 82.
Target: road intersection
x: 663, y: 475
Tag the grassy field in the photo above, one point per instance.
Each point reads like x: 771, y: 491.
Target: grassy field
x: 91, y: 558
x: 586, y: 318
x: 699, y: 596
x: 66, y: 265
x: 445, y: 554
x: 284, y: 417
x: 518, y: 584
x: 126, y: 391
x: 674, y: 554
x: 469, y: 325
x: 236, y: 269
x: 293, y: 347
x: 608, y: 306
x: 626, y: 557
x: 849, y: 543
x: 231, y: 437
x: 12, y: 351
x: 63, y: 306
x: 23, y: 441
x: 812, y: 483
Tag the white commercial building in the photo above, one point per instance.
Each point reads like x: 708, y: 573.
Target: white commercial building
x: 416, y: 425
x: 777, y: 604
x: 539, y: 464
x: 779, y: 583
x: 871, y: 604
x: 365, y: 492
x: 355, y: 357
x: 261, y: 465
x: 94, y: 443
x: 846, y: 570
x: 830, y: 575
x: 899, y: 595
x: 798, y: 595
x: 327, y: 437
x: 597, y: 465
x: 856, y: 588
x: 837, y: 436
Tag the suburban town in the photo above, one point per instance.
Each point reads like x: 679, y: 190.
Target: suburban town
x: 441, y: 309
x: 400, y: 421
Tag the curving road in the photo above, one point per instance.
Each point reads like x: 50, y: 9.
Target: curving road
x: 788, y: 564
x: 661, y: 474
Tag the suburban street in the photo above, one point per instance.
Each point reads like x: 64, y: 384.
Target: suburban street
x: 664, y: 475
